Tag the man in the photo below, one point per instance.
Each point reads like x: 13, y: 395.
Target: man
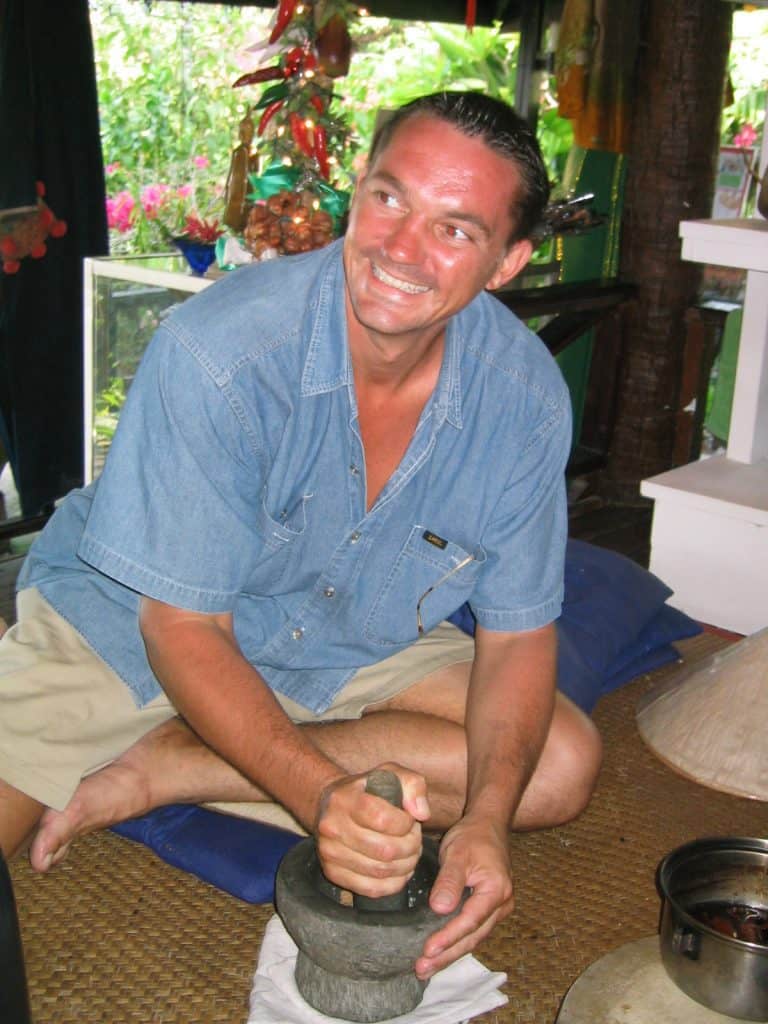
x: 321, y: 458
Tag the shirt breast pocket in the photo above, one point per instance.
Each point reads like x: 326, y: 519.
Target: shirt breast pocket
x: 281, y: 534
x: 429, y: 571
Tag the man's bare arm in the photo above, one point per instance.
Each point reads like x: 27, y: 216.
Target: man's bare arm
x: 229, y: 705
x: 226, y: 701
x: 509, y: 710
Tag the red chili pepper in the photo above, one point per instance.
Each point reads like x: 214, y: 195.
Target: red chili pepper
x: 292, y: 61
x: 262, y: 75
x: 309, y: 62
x: 300, y: 134
x: 284, y: 14
x: 321, y: 151
x: 298, y: 60
x: 317, y: 103
x: 268, y: 114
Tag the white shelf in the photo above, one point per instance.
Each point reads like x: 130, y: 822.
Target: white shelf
x: 709, y: 540
x: 718, y: 485
x: 741, y: 242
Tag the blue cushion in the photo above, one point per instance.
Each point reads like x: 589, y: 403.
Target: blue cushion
x: 237, y: 855
x: 615, y: 625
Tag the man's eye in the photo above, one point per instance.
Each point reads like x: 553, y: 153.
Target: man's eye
x: 385, y: 198
x: 456, y: 233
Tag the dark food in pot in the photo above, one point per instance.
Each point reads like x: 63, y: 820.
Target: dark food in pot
x: 736, y: 920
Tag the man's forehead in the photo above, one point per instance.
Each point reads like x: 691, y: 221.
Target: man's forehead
x: 409, y: 130
x: 455, y: 166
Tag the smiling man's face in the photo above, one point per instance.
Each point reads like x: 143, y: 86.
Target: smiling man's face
x: 428, y: 230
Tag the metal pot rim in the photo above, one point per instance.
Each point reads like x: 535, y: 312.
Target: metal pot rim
x: 708, y: 844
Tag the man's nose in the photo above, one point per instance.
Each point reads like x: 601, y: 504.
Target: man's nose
x: 405, y: 241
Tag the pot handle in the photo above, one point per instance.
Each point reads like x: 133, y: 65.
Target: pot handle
x: 686, y: 942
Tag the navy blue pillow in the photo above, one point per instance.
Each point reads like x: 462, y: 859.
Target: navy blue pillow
x: 615, y: 623
x: 237, y: 855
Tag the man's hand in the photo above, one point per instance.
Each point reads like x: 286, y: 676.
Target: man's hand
x: 474, y: 854
x: 365, y: 844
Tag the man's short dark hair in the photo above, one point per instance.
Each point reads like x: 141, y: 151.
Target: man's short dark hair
x: 503, y: 131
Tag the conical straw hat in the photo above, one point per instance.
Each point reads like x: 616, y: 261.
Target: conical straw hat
x: 711, y: 723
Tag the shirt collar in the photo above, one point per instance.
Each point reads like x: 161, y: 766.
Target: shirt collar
x: 327, y: 365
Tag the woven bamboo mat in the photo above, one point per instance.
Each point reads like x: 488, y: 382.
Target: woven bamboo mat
x: 115, y: 936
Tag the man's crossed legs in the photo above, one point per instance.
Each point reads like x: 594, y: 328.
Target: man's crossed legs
x: 146, y: 758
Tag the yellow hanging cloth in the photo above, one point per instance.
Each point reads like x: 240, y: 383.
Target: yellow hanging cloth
x: 594, y: 66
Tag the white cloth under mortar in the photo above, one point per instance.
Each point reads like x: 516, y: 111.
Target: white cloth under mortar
x: 461, y: 991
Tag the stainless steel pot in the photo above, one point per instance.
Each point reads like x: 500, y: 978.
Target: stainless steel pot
x: 726, y: 974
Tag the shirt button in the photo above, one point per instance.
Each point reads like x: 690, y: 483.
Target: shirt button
x: 354, y: 537
x: 354, y: 470
x: 297, y: 633
x: 329, y: 591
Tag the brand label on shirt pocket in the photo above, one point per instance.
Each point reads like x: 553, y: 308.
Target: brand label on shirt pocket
x: 422, y: 564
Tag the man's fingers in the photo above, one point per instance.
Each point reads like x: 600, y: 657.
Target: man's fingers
x: 447, y: 889
x: 364, y: 843
x: 477, y: 918
x: 414, y: 791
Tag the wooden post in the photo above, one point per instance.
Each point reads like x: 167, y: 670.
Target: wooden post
x: 675, y: 140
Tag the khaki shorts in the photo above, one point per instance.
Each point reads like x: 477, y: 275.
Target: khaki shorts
x: 64, y: 713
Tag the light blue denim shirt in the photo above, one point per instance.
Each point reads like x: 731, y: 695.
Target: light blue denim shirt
x: 236, y: 482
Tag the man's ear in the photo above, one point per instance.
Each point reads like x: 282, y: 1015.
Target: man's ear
x: 515, y: 258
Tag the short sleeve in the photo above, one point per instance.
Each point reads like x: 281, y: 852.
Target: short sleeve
x: 521, y: 585
x: 173, y: 513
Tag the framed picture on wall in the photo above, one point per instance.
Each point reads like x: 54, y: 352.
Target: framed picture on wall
x: 732, y: 182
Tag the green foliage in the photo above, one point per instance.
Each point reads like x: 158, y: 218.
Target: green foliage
x: 395, y: 62
x: 164, y: 77
x: 747, y: 71
x: 109, y: 402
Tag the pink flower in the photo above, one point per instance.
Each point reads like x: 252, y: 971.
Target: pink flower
x: 111, y: 168
x: 745, y: 137
x: 151, y: 199
x: 201, y: 161
x: 120, y: 211
x: 184, y: 191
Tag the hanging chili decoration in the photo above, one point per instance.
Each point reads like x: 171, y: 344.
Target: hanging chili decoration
x: 471, y: 15
x: 268, y: 114
x: 321, y: 151
x: 334, y: 47
x: 260, y: 75
x: 300, y: 133
x: 285, y: 12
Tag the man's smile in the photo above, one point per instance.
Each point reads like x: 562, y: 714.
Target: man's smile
x: 397, y: 282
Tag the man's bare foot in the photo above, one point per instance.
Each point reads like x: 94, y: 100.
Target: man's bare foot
x: 168, y: 765
x: 113, y: 794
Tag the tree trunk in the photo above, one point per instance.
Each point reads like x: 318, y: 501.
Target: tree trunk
x: 671, y: 176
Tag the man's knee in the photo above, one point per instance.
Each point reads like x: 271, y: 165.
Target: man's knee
x: 579, y: 754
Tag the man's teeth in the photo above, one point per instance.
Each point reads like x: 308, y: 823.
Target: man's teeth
x: 396, y: 282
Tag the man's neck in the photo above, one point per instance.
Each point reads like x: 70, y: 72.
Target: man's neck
x: 391, y: 362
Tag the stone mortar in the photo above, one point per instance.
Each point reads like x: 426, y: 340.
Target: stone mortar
x: 353, y: 963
